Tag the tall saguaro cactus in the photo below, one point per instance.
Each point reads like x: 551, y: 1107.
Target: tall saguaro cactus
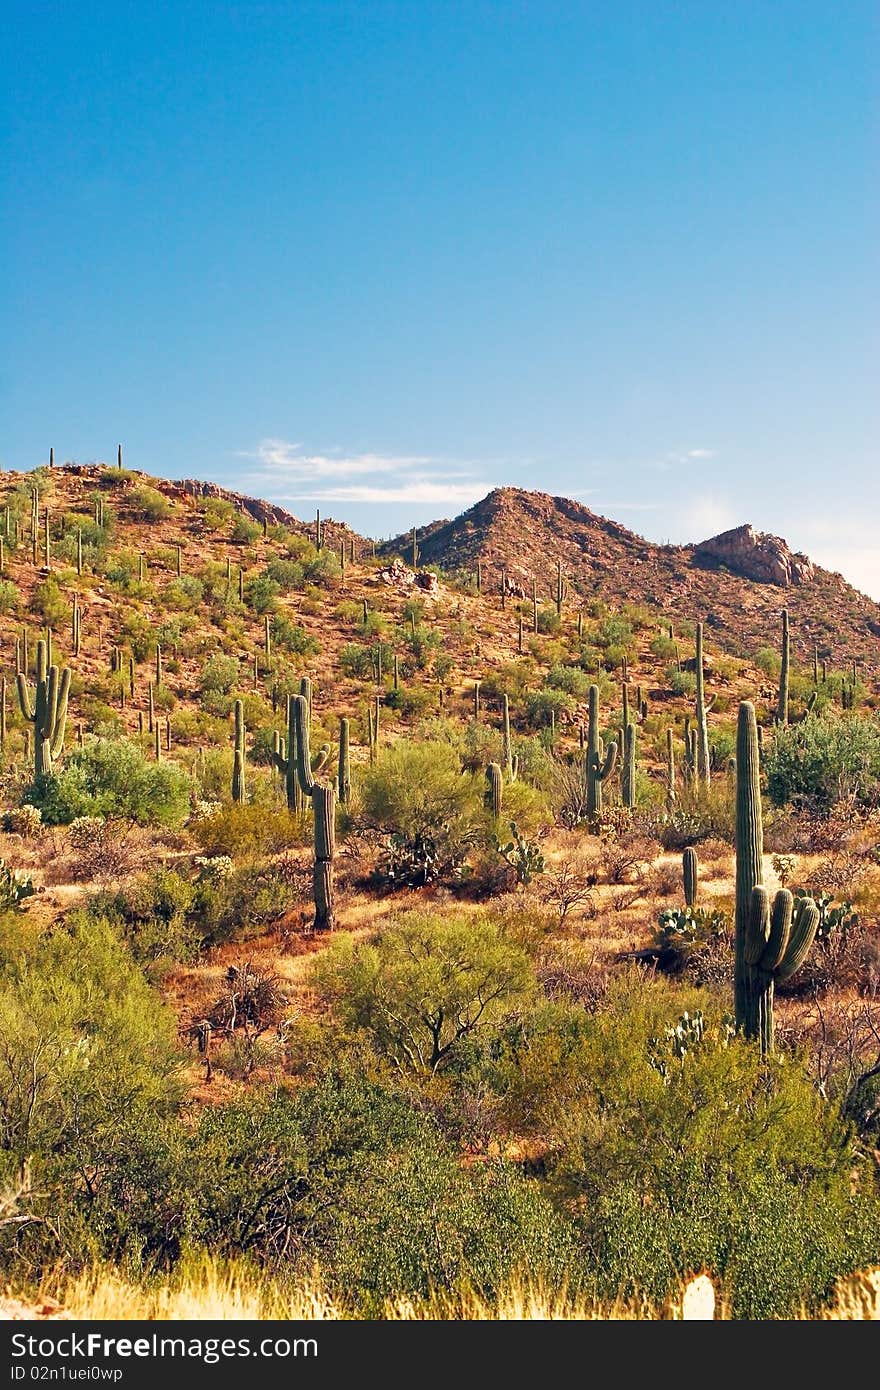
x: 690, y: 869
x: 770, y: 943
x: 238, y: 785
x: 628, y: 771
x: 670, y: 771
x: 599, y: 762
x: 494, y: 790
x: 323, y: 798
x: 782, y: 706
x: 511, y: 761
x: 284, y: 758
x: 343, y: 780
x: 46, y: 710
x: 703, y: 766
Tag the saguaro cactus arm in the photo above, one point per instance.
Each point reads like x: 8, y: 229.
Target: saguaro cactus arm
x: 303, y: 759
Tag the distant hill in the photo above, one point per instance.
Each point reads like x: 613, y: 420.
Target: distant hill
x: 737, y: 582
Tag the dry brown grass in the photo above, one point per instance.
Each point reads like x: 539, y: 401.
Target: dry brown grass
x: 208, y: 1289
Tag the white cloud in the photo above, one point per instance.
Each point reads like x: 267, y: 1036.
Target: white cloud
x: 278, y: 456
x: 700, y: 454
x: 289, y: 474
x: 417, y: 490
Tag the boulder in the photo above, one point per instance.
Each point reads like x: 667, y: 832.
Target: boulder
x: 757, y: 555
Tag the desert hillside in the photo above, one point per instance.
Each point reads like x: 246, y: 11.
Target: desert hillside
x: 381, y: 907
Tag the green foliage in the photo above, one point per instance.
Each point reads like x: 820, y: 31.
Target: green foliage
x: 261, y: 593
x: 769, y: 661
x: 184, y: 593
x: 681, y: 682
x: 683, y: 931
x: 542, y: 705
x: 417, y: 794
x: 217, y: 511
x: 613, y: 631
x: 663, y: 648
x: 290, y: 637
x: 743, y: 1139
x: 151, y: 915
x: 356, y: 661
x: 287, y: 574
x: 345, y: 1173
x: 86, y: 1056
x: 425, y: 986
x: 113, y: 778
x: 220, y: 674
x: 245, y: 531
x: 8, y: 596
x: 825, y: 759
x: 48, y: 602
x: 246, y: 829
x: 573, y: 680
x: 149, y: 505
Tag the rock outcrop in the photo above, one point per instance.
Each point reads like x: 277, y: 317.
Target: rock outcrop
x: 757, y: 555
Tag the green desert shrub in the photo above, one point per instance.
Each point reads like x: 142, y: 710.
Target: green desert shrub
x: 417, y: 795
x: 113, y: 778
x: 148, y: 504
x: 663, y: 648
x: 184, y: 593
x: 356, y: 660
x: 685, y: 1146
x: 220, y: 674
x: 825, y: 759
x: 542, y: 706
x: 48, y: 602
x: 78, y: 1018
x: 246, y: 830
x: 425, y: 986
x: 344, y: 1173
x: 151, y: 914
x: 291, y: 637
x: 245, y: 531
x: 261, y: 594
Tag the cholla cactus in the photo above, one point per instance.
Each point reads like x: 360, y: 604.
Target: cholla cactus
x: 85, y: 831
x: 26, y: 821
x: 214, y: 868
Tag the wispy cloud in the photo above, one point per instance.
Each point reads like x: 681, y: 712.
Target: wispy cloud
x: 682, y: 458
x: 292, y: 474
x: 418, y: 490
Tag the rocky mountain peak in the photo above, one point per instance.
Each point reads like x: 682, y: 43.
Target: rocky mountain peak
x: 757, y: 555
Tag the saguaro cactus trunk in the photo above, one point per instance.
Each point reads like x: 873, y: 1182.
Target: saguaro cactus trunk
x: 703, y: 766
x: 323, y: 798
x: 238, y: 780
x: 770, y: 944
x: 599, y: 763
x: 46, y: 710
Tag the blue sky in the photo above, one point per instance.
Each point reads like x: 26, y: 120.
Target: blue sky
x: 381, y: 257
